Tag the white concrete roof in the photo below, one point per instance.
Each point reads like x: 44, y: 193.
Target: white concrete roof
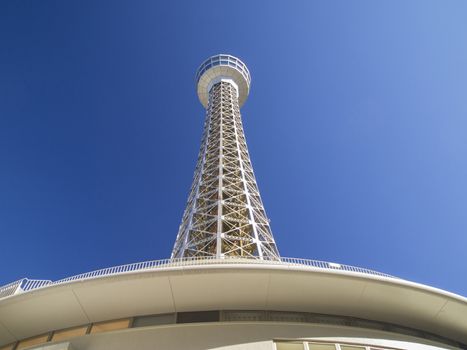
x: 237, y: 287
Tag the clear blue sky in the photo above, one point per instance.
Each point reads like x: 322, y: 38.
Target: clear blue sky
x: 356, y: 124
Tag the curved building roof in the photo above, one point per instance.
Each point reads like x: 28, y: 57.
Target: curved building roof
x: 240, y: 285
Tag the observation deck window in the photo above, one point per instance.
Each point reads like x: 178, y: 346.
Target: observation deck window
x: 154, y: 320
x: 316, y: 346
x: 110, y: 326
x: 69, y: 333
x: 198, y: 316
x: 302, y: 345
x: 289, y: 346
x: 23, y: 344
x: 8, y: 347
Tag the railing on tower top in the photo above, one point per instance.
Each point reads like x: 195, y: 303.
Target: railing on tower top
x: 26, y: 284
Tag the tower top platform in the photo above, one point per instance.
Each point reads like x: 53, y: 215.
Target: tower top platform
x: 218, y: 67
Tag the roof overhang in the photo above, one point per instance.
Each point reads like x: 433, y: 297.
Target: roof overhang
x: 236, y: 287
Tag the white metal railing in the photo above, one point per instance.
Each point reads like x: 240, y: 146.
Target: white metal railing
x: 9, y: 289
x: 22, y: 285
x: 26, y: 284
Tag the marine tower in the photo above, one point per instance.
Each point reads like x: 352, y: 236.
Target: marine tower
x: 224, y: 215
x: 226, y: 287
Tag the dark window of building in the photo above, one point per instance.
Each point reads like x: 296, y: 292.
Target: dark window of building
x: 153, y: 320
x: 201, y: 316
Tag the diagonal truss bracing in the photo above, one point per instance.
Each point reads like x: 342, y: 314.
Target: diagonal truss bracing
x: 224, y: 215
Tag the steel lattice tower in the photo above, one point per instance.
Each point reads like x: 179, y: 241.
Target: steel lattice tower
x: 224, y: 215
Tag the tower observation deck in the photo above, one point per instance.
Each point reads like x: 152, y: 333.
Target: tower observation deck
x: 224, y: 215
